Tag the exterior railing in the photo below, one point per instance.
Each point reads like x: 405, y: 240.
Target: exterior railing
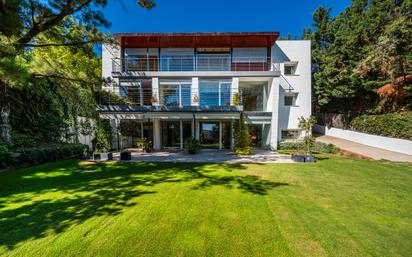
x: 189, y: 63
x: 134, y: 97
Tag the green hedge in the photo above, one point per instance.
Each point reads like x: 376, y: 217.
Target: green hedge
x: 397, y: 125
x: 6, y: 157
x: 37, y: 155
x: 319, y: 147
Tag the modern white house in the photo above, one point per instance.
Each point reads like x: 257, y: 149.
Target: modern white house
x: 181, y: 85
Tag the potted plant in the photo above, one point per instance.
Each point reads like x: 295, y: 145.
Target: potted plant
x: 192, y: 145
x: 145, y: 144
x: 236, y: 101
x: 153, y: 100
x: 195, y: 99
x: 308, y: 142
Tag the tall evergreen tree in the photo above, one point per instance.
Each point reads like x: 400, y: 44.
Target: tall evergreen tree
x: 350, y: 50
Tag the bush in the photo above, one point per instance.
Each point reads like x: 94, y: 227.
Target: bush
x: 24, y: 140
x: 241, y: 137
x: 397, y: 125
x: 103, y: 138
x: 192, y: 145
x: 145, y: 144
x: 318, y: 147
x: 6, y: 157
x: 50, y: 153
x: 244, y: 151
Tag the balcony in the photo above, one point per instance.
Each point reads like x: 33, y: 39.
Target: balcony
x: 190, y: 64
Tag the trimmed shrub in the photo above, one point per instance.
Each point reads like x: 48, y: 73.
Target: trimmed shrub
x: 241, y: 137
x: 50, y: 153
x: 6, y: 157
x: 397, y: 125
x: 318, y: 147
x: 192, y: 145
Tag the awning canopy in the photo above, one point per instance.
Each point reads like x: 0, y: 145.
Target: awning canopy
x: 170, y: 116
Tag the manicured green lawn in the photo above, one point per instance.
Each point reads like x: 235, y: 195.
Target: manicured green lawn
x: 336, y: 207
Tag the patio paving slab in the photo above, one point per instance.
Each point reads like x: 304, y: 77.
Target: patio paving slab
x: 209, y: 156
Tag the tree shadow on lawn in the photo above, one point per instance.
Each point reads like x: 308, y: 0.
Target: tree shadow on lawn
x: 104, y: 189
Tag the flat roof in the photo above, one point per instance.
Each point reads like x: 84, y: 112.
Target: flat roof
x: 197, y: 39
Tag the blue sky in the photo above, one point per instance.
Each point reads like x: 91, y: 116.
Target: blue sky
x: 217, y: 15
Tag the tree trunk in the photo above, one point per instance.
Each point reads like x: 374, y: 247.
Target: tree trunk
x: 5, y: 129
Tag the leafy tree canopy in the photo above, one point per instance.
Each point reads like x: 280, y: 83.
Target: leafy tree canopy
x: 355, y: 54
x: 49, y: 73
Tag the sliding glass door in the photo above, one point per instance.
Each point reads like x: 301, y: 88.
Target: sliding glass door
x: 175, y: 93
x: 171, y: 134
x: 209, y: 135
x: 174, y: 133
x: 214, y: 92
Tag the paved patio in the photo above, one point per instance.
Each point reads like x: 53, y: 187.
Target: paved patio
x: 209, y: 156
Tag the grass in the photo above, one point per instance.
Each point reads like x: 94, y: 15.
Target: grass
x: 336, y: 207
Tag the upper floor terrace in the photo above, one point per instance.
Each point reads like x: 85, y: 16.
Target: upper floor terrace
x: 154, y: 53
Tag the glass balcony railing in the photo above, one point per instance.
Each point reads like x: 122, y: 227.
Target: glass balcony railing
x: 189, y: 63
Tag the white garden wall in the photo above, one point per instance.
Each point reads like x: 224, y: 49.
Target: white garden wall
x: 387, y: 143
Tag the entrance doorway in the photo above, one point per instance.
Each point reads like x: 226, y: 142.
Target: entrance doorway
x: 256, y: 134
x: 174, y: 133
x: 209, y: 135
x: 215, y: 135
x: 171, y: 134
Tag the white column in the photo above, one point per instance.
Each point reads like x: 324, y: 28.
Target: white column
x: 273, y: 104
x: 156, y: 134
x: 234, y: 89
x: 155, y: 91
x: 195, y: 91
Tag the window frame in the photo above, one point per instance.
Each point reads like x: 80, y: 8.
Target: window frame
x: 297, y: 131
x: 293, y: 66
x: 219, y: 91
x: 179, y: 85
x: 294, y: 99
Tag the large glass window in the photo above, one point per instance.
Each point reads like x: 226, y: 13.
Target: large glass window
x: 187, y: 130
x: 213, y: 62
x: 133, y: 130
x: 175, y: 93
x: 171, y: 134
x: 253, y: 96
x: 209, y: 134
x: 138, y: 92
x: 214, y: 92
x: 140, y: 59
x: 177, y: 59
x: 256, y: 135
x: 174, y: 133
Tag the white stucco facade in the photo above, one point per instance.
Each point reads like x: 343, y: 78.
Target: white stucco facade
x: 285, y: 96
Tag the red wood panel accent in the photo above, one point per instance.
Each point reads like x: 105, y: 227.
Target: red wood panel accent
x: 217, y: 41
x: 237, y: 39
x: 177, y: 41
x: 239, y: 66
